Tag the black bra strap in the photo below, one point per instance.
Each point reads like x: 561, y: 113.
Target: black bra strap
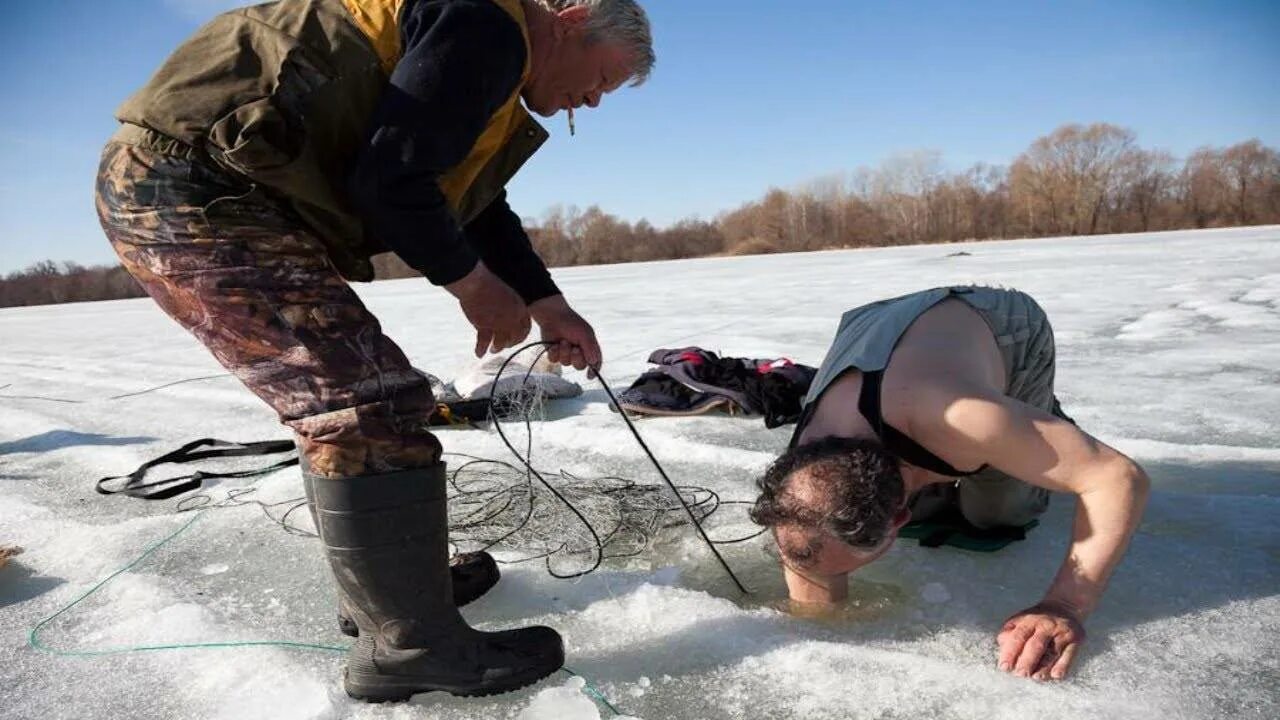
x: 806, y: 414
x: 895, y: 442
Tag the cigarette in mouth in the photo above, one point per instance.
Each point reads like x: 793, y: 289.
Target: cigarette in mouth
x: 571, y: 128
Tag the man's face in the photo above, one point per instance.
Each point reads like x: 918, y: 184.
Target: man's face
x: 806, y: 548
x: 811, y: 551
x: 577, y: 72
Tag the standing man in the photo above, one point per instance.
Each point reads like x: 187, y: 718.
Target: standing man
x: 271, y: 155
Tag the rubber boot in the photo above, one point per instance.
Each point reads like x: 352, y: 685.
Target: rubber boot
x: 386, y: 537
x: 473, y: 573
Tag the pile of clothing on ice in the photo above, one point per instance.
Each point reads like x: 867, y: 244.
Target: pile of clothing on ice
x: 693, y: 381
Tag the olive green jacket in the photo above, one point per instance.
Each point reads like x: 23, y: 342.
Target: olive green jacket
x: 282, y: 94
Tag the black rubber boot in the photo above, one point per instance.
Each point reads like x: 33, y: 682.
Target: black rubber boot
x: 386, y: 537
x: 473, y: 573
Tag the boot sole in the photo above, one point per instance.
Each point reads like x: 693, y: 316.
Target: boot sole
x: 395, y: 692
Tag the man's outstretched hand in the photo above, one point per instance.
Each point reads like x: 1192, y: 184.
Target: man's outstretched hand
x: 1040, y: 642
x: 495, y: 310
x: 575, y: 341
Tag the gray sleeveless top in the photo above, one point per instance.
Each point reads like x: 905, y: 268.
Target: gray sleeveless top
x: 865, y: 340
x: 868, y: 334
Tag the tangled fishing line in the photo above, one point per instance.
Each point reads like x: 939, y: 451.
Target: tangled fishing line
x: 523, y: 514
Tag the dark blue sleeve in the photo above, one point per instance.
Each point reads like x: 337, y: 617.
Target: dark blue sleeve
x: 499, y: 236
x: 462, y: 60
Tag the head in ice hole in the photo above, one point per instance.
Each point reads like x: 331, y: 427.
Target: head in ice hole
x: 834, y: 505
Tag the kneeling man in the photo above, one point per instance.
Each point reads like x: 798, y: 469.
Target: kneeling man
x: 938, y: 401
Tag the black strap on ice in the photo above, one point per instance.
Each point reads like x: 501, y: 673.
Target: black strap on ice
x: 135, y: 484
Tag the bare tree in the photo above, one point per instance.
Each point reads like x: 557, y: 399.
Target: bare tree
x: 1146, y: 180
x: 1072, y: 174
x: 1204, y: 187
x: 904, y: 186
x: 1247, y: 168
x: 45, y: 283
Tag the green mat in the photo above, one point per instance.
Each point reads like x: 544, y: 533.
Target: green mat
x: 955, y: 531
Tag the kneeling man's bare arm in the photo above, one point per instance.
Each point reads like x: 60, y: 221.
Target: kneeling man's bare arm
x: 1038, y: 448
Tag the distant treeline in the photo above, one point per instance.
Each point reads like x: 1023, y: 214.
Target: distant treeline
x: 1078, y: 180
x: 46, y: 283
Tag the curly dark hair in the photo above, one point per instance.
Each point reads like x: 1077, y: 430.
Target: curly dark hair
x: 850, y: 487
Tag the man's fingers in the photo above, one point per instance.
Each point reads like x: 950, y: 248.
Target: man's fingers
x: 1060, y: 668
x: 553, y: 353
x: 526, y: 324
x: 1030, y: 657
x: 594, y: 360
x: 566, y: 353
x: 483, y: 337
x: 1011, y: 642
x: 1057, y: 646
x: 1052, y: 650
x: 592, y: 352
x: 515, y: 332
x: 501, y: 340
x: 511, y: 337
x: 558, y: 352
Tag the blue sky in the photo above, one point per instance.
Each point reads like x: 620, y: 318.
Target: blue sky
x: 746, y: 95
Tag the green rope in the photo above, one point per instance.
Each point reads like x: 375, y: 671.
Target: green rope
x: 33, y: 637
x: 593, y: 692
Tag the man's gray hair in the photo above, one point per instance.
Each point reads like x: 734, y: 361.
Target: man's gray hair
x: 622, y: 22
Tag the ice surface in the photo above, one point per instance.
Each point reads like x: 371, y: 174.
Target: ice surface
x: 935, y: 593
x: 1169, y: 348
x: 567, y: 702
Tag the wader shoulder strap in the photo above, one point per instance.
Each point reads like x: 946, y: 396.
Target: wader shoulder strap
x: 135, y: 484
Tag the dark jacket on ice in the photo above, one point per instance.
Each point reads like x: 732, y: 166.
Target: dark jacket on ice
x: 690, y: 381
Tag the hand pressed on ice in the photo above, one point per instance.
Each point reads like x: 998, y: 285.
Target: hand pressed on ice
x: 1040, y: 642
x: 575, y: 341
x: 495, y: 310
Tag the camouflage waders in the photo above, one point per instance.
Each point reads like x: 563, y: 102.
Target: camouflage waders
x: 247, y: 278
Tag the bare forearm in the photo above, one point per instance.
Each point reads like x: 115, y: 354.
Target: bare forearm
x: 1106, y: 518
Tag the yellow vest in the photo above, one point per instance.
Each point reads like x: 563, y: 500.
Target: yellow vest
x: 297, y: 122
x: 379, y: 21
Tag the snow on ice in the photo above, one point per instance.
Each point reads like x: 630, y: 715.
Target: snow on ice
x: 1169, y: 349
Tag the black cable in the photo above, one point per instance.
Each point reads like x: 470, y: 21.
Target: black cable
x: 526, y: 461
x: 497, y: 497
x: 658, y: 466
x: 161, y: 387
x: 113, y: 397
x: 42, y: 397
x: 643, y: 446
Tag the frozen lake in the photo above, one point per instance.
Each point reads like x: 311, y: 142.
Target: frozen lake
x: 1169, y: 349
